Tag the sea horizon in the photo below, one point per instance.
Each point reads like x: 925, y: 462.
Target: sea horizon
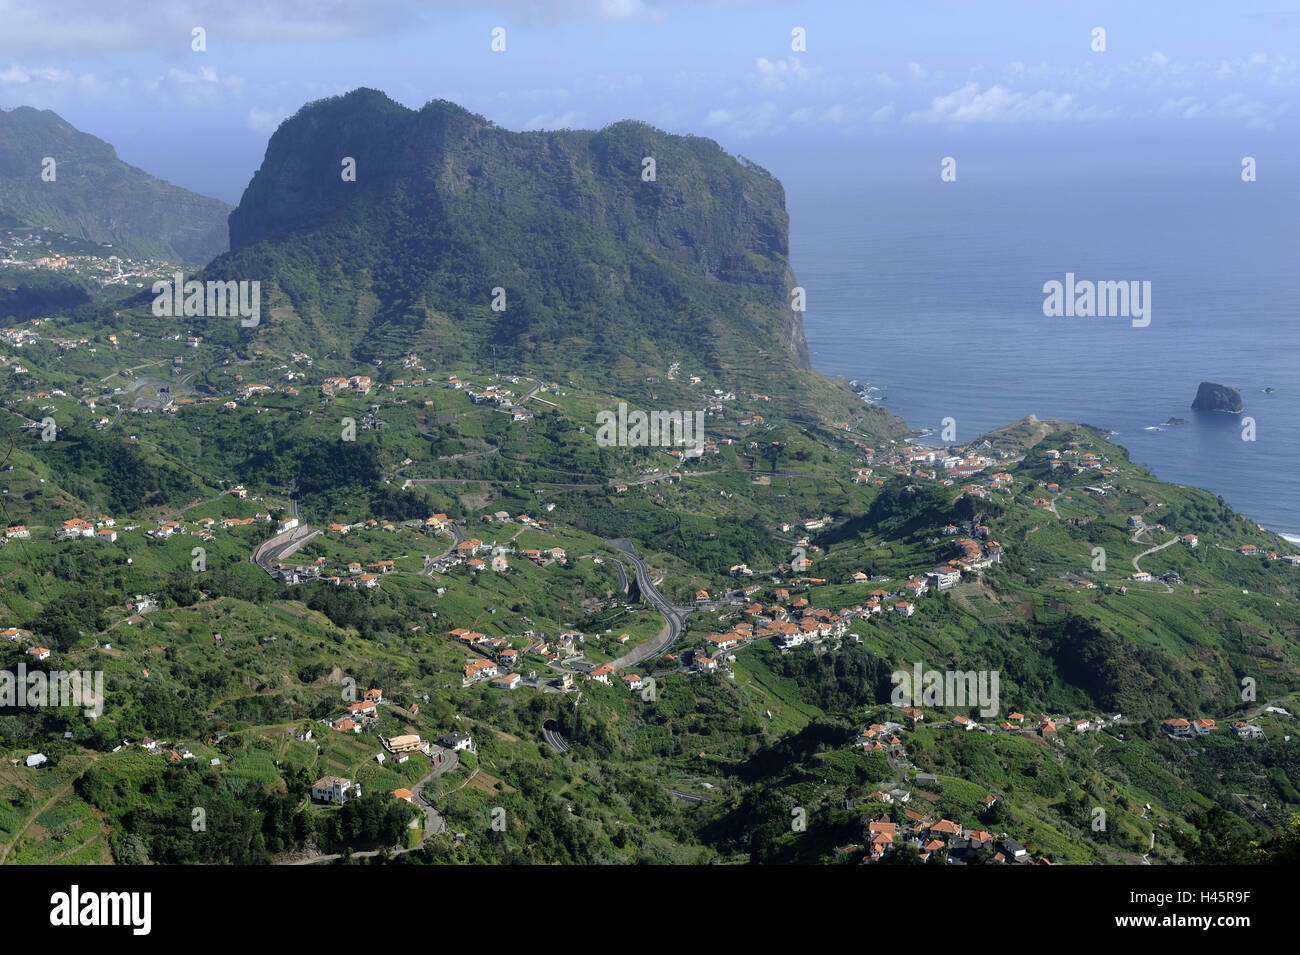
x: 940, y: 312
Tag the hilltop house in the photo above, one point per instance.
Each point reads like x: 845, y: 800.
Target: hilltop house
x: 331, y: 789
x: 455, y: 741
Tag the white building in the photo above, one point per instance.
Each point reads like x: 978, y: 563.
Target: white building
x: 331, y: 789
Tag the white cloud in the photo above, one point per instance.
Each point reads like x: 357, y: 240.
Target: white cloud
x: 743, y: 122
x: 71, y: 26
x: 568, y: 120
x: 921, y: 76
x: 625, y: 10
x: 15, y: 75
x: 1236, y: 106
x: 204, y: 88
x: 266, y: 120
x: 48, y: 87
x: 882, y: 114
x: 997, y: 104
x: 779, y: 74
x: 1185, y: 107
x: 834, y: 114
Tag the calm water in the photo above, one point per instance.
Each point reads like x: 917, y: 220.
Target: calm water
x: 933, y: 293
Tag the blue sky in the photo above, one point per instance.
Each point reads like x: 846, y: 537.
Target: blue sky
x: 882, y: 90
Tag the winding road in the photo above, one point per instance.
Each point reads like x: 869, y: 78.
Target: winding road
x: 1151, y: 550
x: 282, y: 545
x: 674, y: 617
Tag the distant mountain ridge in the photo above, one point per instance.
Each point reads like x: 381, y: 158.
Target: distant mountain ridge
x: 97, y: 196
x: 595, y: 262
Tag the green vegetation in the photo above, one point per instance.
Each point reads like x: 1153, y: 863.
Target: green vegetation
x: 753, y: 753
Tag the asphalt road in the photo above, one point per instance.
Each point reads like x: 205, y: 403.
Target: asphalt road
x: 553, y: 738
x: 674, y: 617
x: 281, y: 546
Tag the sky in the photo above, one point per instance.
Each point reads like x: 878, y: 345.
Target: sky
x: 878, y: 90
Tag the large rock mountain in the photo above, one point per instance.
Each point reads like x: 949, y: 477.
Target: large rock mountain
x: 96, y: 196
x: 598, y: 265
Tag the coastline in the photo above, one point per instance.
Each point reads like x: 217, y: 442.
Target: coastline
x: 921, y: 438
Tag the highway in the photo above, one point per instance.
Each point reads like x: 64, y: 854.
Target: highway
x: 692, y: 798
x: 622, y: 575
x: 281, y: 546
x: 674, y: 617
x: 551, y: 734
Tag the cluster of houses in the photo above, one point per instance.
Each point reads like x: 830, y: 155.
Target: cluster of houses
x: 15, y: 634
x: 204, y: 526
x: 477, y: 671
x: 1047, y: 727
x: 436, y: 523
x: 1179, y: 728
x: 18, y: 337
x: 365, y: 713
x: 944, y: 465
x: 338, y: 790
x: 920, y: 831
x: 500, y: 670
x: 927, y: 836
x: 361, y: 715
x: 360, y: 384
x: 173, y: 753
x: 106, y: 528
x: 792, y: 623
x: 503, y: 398
x: 883, y: 737
x: 466, y: 554
x: 1250, y: 550
x: 367, y: 576
x: 1074, y: 461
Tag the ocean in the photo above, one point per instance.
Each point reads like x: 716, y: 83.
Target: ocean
x: 932, y: 293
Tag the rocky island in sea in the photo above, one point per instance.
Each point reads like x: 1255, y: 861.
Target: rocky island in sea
x: 1211, y: 396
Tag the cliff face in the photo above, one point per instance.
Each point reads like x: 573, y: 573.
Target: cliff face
x: 98, y: 197
x: 446, y: 206
x: 1215, y: 397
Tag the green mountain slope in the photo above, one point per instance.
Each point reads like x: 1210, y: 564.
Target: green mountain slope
x: 96, y: 196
